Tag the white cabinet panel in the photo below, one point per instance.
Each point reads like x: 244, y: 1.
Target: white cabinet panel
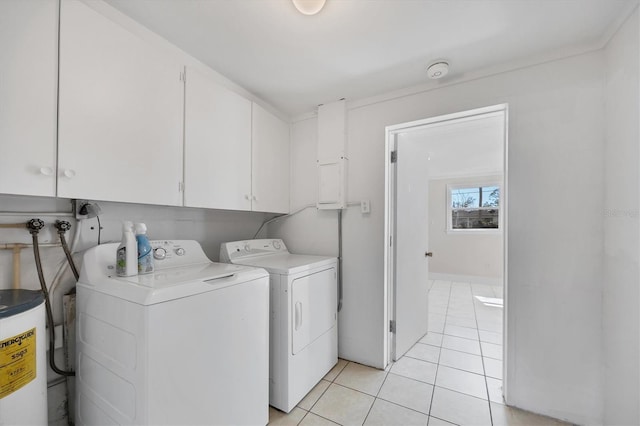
x: 121, y: 113
x: 28, y: 96
x: 217, y: 145
x: 270, y: 162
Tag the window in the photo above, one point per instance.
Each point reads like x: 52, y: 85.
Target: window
x: 473, y: 207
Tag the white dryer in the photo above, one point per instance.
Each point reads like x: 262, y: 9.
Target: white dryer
x: 185, y: 345
x: 303, y: 329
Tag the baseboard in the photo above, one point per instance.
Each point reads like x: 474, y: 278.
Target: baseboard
x: 466, y: 278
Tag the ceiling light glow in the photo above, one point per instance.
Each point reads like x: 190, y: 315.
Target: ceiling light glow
x: 309, y: 7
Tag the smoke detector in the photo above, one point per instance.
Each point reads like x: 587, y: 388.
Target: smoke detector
x: 438, y: 70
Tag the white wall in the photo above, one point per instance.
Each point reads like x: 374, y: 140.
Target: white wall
x: 464, y: 253
x: 209, y: 227
x: 620, y: 291
x: 555, y: 244
x: 473, y: 147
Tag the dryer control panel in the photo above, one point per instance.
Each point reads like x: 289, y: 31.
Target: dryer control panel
x: 251, y: 248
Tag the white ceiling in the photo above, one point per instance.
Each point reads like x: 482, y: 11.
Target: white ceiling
x: 471, y: 147
x: 361, y: 48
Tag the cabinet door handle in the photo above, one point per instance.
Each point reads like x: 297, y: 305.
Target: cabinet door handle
x: 69, y: 173
x: 254, y: 198
x: 429, y: 254
x: 47, y: 171
x: 246, y: 197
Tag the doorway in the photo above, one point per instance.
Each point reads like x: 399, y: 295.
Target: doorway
x: 473, y: 189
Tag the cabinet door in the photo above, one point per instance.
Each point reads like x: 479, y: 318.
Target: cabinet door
x: 270, y: 162
x: 217, y: 145
x: 28, y: 96
x: 121, y: 113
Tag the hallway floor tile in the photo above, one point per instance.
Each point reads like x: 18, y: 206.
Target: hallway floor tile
x: 452, y: 376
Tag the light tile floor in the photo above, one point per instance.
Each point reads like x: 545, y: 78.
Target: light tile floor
x: 453, y: 375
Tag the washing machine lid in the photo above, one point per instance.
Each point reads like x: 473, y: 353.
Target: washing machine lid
x: 286, y: 263
x: 175, y: 283
x: 176, y: 275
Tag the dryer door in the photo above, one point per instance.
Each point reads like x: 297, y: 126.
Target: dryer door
x: 313, y: 307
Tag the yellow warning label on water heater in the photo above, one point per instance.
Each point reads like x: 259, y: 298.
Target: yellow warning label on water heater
x: 17, y: 362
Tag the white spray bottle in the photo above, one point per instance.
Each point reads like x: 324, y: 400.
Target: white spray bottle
x: 127, y: 253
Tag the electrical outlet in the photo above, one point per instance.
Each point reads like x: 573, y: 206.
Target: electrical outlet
x: 86, y: 209
x: 365, y: 207
x: 77, y: 206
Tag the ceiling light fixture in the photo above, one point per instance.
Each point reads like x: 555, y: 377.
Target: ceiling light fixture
x: 438, y: 70
x: 309, y: 7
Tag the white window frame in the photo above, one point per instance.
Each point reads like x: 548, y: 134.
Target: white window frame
x: 472, y: 184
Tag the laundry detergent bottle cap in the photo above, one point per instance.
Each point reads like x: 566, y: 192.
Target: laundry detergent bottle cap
x: 126, y: 254
x: 145, y: 252
x: 140, y: 228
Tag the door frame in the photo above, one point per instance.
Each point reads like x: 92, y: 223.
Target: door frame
x: 391, y: 133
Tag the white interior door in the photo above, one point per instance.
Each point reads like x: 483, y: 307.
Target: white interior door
x: 411, y: 239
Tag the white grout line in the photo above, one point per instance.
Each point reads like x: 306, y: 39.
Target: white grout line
x: 376, y: 397
x: 438, y: 365
x: 486, y: 385
x: 400, y: 405
x: 322, y: 394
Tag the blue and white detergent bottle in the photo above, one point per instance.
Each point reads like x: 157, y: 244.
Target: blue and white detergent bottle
x: 145, y: 253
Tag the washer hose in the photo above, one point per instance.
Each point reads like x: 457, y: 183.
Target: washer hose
x: 62, y: 227
x: 34, y: 226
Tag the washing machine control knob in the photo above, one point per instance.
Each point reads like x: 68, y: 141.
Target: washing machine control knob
x: 276, y: 244
x: 180, y: 251
x: 159, y: 253
x: 247, y: 247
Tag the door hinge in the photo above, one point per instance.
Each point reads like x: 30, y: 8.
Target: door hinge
x: 394, y: 156
x: 392, y: 326
x: 180, y: 187
x: 183, y: 76
x: 390, y: 240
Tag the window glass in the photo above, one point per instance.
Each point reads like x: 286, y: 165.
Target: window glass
x: 475, y: 207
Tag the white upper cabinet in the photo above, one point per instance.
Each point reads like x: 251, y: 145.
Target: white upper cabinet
x: 28, y: 96
x: 120, y: 113
x: 104, y: 113
x: 217, y: 145
x: 270, y: 162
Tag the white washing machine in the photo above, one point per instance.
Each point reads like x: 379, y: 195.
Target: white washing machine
x: 303, y: 324
x: 187, y: 344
